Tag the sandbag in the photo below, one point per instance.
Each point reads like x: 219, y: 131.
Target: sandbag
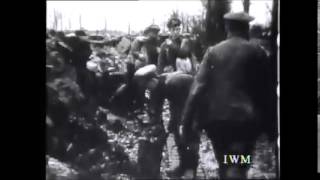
x: 146, y: 71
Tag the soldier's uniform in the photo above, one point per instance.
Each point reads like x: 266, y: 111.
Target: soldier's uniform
x: 102, y: 66
x: 175, y: 53
x: 153, y: 136
x: 79, y: 57
x: 168, y: 55
x: 144, y: 49
x: 234, y: 81
x: 175, y: 49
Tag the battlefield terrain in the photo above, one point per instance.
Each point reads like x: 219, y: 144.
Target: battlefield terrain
x: 263, y: 162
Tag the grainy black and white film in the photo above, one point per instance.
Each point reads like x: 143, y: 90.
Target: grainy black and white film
x: 162, y: 89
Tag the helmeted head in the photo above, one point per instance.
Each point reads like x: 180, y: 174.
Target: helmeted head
x: 152, y: 31
x: 237, y: 23
x: 80, y: 33
x: 97, y: 43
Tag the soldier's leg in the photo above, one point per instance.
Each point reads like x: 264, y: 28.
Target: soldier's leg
x: 144, y: 160
x: 189, y: 155
x: 218, y: 148
x: 173, y: 128
x: 149, y: 160
x: 150, y: 153
x: 173, y: 122
x: 227, y: 170
x: 226, y: 143
x: 187, y: 151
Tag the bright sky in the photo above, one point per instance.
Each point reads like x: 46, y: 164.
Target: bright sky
x: 139, y: 14
x: 258, y: 9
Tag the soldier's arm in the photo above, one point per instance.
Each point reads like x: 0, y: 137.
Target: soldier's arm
x: 135, y: 50
x: 185, y: 48
x: 194, y: 63
x: 198, y: 87
x: 162, y: 58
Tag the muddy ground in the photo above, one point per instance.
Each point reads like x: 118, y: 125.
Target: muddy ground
x: 263, y: 162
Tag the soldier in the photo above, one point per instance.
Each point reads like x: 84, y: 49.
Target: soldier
x: 144, y: 51
x: 153, y: 136
x: 103, y: 70
x: 177, y: 87
x: 79, y: 57
x: 176, y: 48
x: 145, y: 48
x: 102, y: 59
x: 234, y: 81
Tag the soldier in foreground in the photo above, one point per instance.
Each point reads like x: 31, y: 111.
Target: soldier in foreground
x: 234, y: 82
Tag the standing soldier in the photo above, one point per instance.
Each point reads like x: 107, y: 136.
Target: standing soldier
x: 234, y: 79
x: 145, y: 48
x: 175, y: 50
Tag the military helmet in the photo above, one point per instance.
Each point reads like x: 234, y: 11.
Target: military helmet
x: 239, y: 16
x: 152, y: 27
x: 80, y: 33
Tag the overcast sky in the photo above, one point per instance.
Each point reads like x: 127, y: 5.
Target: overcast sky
x: 139, y: 14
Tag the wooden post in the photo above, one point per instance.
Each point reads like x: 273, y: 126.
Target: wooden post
x: 129, y: 29
x: 182, y: 23
x: 164, y: 27
x: 246, y: 5
x: 80, y: 22
x: 105, y: 26
x: 55, y: 22
x: 54, y: 19
x: 60, y: 15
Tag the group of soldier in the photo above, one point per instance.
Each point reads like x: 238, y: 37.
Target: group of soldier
x: 228, y: 93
